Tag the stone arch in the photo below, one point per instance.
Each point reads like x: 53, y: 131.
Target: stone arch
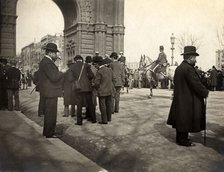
x: 90, y: 25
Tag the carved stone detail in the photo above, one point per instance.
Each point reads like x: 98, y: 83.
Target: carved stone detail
x: 87, y: 10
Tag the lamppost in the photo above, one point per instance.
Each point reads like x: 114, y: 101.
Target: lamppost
x: 172, y: 40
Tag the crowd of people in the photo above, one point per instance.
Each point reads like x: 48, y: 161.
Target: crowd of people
x: 81, y: 84
x: 10, y: 77
x: 102, y: 78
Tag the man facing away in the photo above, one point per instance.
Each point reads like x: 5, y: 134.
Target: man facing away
x: 119, y: 79
x: 50, y: 88
x: 187, y: 112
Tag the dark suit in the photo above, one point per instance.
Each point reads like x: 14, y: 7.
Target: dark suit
x: 13, y: 78
x: 83, y: 98
x: 50, y: 89
x: 36, y: 81
x: 187, y: 112
x: 104, y: 85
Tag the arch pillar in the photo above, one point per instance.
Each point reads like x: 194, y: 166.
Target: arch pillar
x: 89, y: 26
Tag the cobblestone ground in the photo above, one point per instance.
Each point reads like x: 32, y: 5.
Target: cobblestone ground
x: 138, y: 139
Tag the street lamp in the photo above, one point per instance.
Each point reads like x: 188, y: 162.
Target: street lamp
x: 172, y: 40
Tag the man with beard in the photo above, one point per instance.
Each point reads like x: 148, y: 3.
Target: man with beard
x: 187, y: 112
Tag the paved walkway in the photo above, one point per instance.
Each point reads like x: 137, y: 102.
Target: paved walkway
x: 138, y: 139
x: 23, y: 148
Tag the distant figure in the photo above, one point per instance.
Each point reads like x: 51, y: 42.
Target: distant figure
x: 36, y: 81
x: 213, y: 78
x: 119, y: 76
x: 67, y: 91
x: 24, y: 81
x: 13, y: 78
x: 3, y: 84
x: 161, y: 62
x: 187, y: 112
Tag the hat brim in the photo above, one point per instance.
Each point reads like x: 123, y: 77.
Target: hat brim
x: 51, y: 49
x: 190, y: 53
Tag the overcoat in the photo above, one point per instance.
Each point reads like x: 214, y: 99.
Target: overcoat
x: 85, y: 80
x: 50, y: 78
x: 67, y: 89
x: 118, y: 73
x: 13, y: 78
x: 187, y: 112
x: 213, y: 77
x: 104, y: 81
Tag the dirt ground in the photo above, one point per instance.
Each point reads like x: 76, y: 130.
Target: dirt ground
x: 138, y: 139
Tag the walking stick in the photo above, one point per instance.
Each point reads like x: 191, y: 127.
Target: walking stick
x: 33, y: 90
x: 205, y: 122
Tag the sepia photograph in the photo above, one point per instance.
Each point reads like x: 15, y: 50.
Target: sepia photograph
x: 111, y: 86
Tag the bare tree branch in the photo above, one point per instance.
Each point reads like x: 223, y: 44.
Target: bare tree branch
x: 188, y: 39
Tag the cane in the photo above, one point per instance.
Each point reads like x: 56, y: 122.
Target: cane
x: 33, y: 90
x: 205, y: 121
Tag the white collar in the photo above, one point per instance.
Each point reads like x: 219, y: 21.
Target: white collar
x: 48, y: 57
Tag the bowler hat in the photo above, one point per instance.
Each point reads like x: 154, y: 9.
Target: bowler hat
x: 98, y: 59
x: 88, y: 59
x: 78, y: 57
x: 51, y: 47
x: 113, y: 54
x: 190, y: 50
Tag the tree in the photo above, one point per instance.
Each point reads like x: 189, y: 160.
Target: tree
x: 188, y: 39
x: 220, y: 36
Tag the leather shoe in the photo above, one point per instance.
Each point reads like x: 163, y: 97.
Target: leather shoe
x: 102, y: 122
x: 187, y: 144
x: 78, y: 123
x: 54, y: 136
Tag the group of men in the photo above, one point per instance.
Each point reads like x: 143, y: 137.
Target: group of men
x: 97, y: 76
x: 104, y: 78
x: 9, y: 85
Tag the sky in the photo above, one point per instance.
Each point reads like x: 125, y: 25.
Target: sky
x: 148, y: 24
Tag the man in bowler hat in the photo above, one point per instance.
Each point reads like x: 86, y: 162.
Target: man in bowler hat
x: 187, y: 112
x: 50, y: 88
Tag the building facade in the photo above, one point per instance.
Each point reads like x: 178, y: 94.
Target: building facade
x: 90, y: 26
x: 32, y: 54
x: 220, y: 59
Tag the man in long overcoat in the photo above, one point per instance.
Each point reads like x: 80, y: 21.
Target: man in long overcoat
x: 67, y: 91
x: 50, y: 88
x: 187, y: 112
x: 84, y: 96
